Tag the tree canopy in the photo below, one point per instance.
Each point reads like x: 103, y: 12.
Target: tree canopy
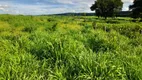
x: 107, y: 8
x: 136, y: 9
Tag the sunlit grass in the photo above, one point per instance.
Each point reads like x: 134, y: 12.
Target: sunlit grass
x: 69, y: 48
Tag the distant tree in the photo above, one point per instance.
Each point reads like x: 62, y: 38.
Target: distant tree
x: 136, y: 9
x: 107, y: 8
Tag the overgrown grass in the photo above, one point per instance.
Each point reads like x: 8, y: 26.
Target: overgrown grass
x: 68, y: 48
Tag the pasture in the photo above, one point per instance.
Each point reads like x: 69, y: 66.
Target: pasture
x: 69, y: 48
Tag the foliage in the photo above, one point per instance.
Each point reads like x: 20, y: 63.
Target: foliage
x: 68, y: 48
x: 107, y: 8
x: 136, y: 9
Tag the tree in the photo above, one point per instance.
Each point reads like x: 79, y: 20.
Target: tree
x: 107, y: 8
x: 136, y: 9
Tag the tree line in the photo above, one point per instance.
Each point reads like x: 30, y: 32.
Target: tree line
x: 110, y: 8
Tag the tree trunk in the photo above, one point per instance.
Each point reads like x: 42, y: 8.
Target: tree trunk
x: 140, y: 20
x: 105, y: 17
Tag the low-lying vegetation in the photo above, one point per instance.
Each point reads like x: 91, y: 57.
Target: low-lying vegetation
x: 69, y: 48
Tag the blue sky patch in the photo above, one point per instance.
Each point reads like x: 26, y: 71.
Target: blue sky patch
x: 36, y: 7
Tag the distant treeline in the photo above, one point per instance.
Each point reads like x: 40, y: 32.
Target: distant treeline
x: 120, y: 14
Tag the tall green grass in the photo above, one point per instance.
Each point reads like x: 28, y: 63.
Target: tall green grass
x: 68, y: 48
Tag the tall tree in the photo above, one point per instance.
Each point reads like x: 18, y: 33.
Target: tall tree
x: 107, y: 8
x: 136, y: 9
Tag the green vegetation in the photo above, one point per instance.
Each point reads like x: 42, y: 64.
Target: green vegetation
x: 69, y: 48
x: 107, y: 8
x: 136, y: 9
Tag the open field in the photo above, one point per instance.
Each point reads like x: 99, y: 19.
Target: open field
x: 69, y: 48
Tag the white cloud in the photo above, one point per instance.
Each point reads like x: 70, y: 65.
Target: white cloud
x: 1, y: 8
x: 65, y: 1
x: 127, y: 1
x: 4, y: 8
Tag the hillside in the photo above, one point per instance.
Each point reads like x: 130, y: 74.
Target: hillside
x: 120, y: 14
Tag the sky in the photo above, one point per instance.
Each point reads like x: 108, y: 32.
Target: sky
x: 38, y: 7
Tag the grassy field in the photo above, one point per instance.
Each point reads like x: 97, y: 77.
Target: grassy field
x: 69, y: 48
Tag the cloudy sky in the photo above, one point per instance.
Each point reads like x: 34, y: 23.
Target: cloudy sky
x: 35, y: 7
